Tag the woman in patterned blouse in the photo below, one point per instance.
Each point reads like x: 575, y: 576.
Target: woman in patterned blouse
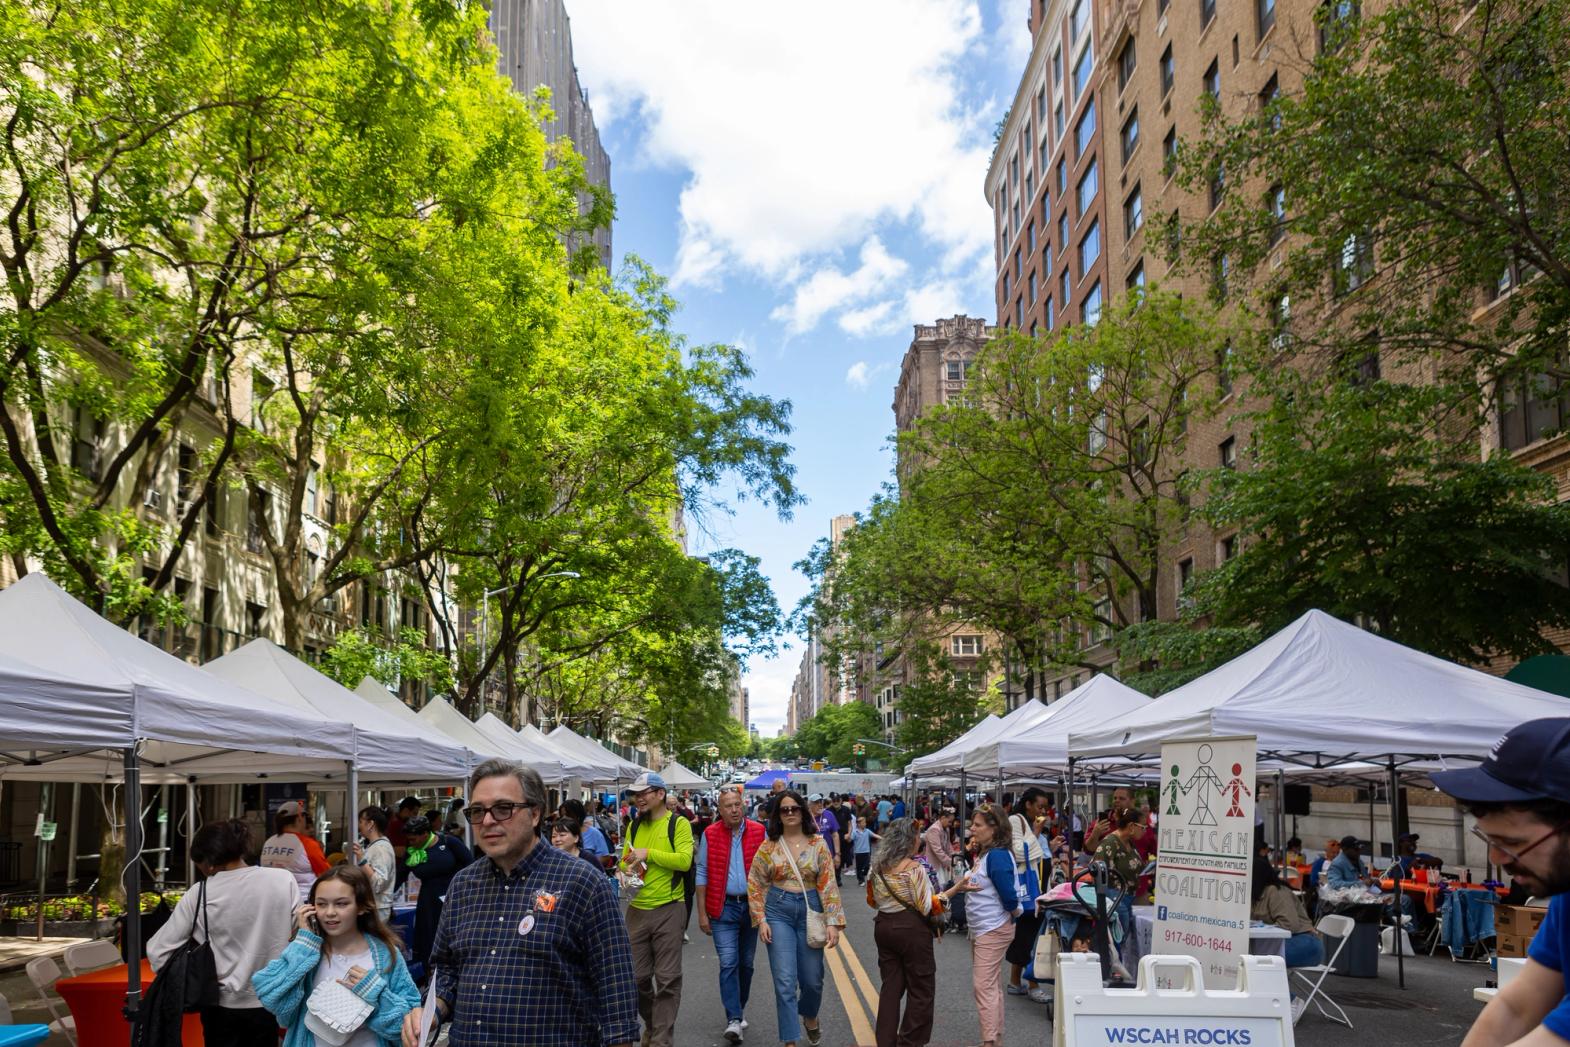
x: 779, y: 903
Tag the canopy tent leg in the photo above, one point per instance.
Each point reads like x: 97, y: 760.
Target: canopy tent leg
x: 71, y: 837
x: 131, y: 878
x: 163, y: 835
x: 1068, y: 804
x: 45, y: 792
x: 1395, y: 936
x: 1281, y: 819
x: 964, y: 806
x: 351, y: 811
x: 468, y: 827
x: 190, y: 831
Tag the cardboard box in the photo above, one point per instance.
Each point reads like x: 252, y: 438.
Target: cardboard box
x: 1523, y: 920
x: 1511, y: 945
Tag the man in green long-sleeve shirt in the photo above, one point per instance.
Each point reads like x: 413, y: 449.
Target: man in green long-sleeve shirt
x: 657, y: 915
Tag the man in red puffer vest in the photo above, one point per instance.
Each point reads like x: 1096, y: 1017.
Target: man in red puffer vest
x: 723, y: 861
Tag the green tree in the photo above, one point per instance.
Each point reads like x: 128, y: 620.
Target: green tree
x: 937, y: 705
x: 831, y: 733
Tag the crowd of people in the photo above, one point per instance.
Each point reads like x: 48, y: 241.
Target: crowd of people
x: 566, y: 926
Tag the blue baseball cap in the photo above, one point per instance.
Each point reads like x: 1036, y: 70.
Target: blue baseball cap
x: 1531, y: 762
x: 646, y: 781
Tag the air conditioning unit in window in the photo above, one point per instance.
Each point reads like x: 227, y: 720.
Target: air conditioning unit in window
x: 153, y: 500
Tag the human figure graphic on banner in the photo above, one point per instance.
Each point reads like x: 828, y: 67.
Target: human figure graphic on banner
x: 1237, y: 790
x: 1174, y: 791
x: 1202, y: 781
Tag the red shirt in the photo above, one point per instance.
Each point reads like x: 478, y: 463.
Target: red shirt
x: 395, y: 833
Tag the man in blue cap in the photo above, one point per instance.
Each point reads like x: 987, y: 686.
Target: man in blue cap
x: 1520, y: 797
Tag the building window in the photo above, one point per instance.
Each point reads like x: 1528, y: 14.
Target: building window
x: 1092, y: 307
x: 1185, y: 575
x: 1032, y: 287
x: 1213, y: 81
x: 1277, y: 199
x: 1005, y: 285
x: 1046, y: 261
x: 1169, y: 152
x: 1224, y: 370
x: 1281, y: 321
x: 1126, y: 64
x: 1030, y: 235
x: 1228, y: 451
x: 966, y: 646
x: 1336, y: 20
x: 1063, y: 231
x: 1068, y: 289
x: 1057, y: 120
x: 1168, y: 71
x: 1268, y: 99
x: 185, y: 478
x: 1097, y: 439
x: 1130, y: 133
x: 1531, y: 407
x: 955, y: 371
x: 1161, y: 8
x: 1019, y: 264
x: 1049, y: 313
x: 1220, y: 273
x: 1085, y: 130
x: 255, y: 613
x: 1100, y: 630
x: 1019, y: 312
x: 1062, y: 177
x: 1207, y: 13
x: 1041, y: 107
x: 1077, y: 20
x: 1354, y: 263
x: 1090, y: 248
x: 1218, y: 184
x: 1136, y: 278
x: 1082, y: 67
x: 1226, y: 549
x: 1362, y: 366
x: 1085, y: 192
x: 1266, y: 10
x: 87, y: 444
x: 1133, y: 213
x: 256, y: 521
x: 1057, y: 71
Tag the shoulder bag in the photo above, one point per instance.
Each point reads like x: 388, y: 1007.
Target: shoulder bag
x: 333, y: 1012
x: 817, y: 921
x: 1030, y: 879
x: 937, y: 921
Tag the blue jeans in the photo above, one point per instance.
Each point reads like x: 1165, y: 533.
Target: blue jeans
x: 736, y: 941
x: 797, y: 969
x: 1305, y: 950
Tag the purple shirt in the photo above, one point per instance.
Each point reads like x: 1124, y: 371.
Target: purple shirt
x: 829, y: 827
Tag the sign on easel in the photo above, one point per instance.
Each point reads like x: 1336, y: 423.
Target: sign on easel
x: 1205, y: 853
x: 1258, y: 1013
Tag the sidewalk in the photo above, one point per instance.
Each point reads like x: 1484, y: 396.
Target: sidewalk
x: 15, y: 952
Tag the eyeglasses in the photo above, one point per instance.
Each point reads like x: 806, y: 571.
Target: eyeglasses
x: 499, y: 811
x: 1516, y: 856
x: 792, y: 809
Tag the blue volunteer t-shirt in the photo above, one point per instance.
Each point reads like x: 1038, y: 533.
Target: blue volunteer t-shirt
x: 1550, y: 948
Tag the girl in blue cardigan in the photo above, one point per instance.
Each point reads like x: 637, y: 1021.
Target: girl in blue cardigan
x: 340, y: 936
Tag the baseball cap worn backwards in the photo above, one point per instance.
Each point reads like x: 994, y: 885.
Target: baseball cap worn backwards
x: 1531, y: 762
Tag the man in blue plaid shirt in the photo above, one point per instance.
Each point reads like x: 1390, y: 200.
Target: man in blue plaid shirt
x: 531, y: 950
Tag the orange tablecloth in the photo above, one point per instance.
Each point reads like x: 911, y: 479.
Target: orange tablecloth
x: 1429, y: 892
x: 96, y: 1001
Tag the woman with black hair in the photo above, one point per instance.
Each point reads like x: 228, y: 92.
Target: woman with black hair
x: 249, y: 918
x: 376, y: 856
x: 1275, y: 904
x: 793, y: 872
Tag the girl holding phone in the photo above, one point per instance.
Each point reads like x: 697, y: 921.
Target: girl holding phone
x: 340, y: 937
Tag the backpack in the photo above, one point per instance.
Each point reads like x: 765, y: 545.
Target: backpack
x: 689, y: 879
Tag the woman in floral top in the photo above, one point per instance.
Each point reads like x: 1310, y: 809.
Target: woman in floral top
x: 779, y: 905
x: 1117, y: 851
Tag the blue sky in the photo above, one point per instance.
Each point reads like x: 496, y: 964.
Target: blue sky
x: 810, y: 176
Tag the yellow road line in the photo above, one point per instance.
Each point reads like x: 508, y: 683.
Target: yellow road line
x: 869, y: 991
x: 855, y: 1010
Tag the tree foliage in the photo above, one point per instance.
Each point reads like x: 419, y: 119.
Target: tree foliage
x: 832, y: 732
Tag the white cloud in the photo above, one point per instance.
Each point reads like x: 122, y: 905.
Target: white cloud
x: 829, y: 289
x: 768, y: 690
x: 857, y: 377
x: 802, y: 129
x: 874, y: 319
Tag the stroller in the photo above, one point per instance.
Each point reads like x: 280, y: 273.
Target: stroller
x: 1087, y: 910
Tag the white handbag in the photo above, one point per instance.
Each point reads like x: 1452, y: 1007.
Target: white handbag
x: 333, y: 1012
x: 817, y: 922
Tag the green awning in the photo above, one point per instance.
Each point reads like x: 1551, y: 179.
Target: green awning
x: 1546, y: 672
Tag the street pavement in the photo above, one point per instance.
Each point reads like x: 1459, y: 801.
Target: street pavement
x: 1435, y: 1009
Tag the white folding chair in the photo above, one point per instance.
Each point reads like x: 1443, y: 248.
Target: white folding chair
x: 43, y: 973
x: 91, y: 956
x: 1340, y: 928
x: 5, y: 1011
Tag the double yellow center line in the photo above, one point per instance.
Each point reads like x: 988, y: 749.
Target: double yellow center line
x: 856, y: 990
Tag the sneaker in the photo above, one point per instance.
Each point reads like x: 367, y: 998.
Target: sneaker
x: 744, y: 1024
x: 1299, y: 1005
x: 814, y: 1036
x: 1015, y: 990
x: 1041, y: 994
x: 733, y: 1031
x: 685, y: 940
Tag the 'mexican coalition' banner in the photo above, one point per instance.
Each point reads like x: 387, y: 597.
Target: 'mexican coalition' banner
x: 1205, y: 860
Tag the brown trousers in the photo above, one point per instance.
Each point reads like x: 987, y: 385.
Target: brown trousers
x: 656, y: 961
x: 909, y: 970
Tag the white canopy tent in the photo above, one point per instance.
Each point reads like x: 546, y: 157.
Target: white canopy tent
x: 677, y: 776
x: 1321, y: 693
x: 372, y: 691
x: 613, y: 767
x: 1041, y: 747
x: 440, y: 714
x: 948, y: 756
x: 113, y: 691
x: 582, y: 767
x: 962, y: 751
x: 387, y: 748
x: 547, y: 759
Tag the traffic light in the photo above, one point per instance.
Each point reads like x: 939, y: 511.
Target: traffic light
x: 714, y: 752
x: 859, y: 749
